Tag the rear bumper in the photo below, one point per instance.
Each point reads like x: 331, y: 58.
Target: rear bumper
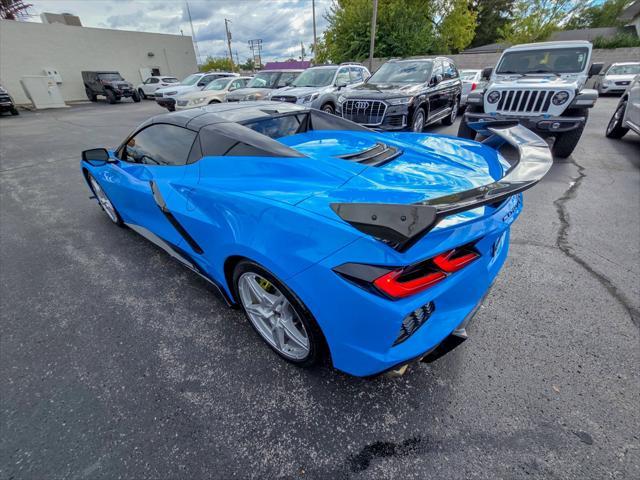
x: 544, y: 124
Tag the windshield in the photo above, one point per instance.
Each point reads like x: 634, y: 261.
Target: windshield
x: 468, y: 74
x: 191, y: 79
x: 218, y: 84
x: 403, y: 72
x: 170, y: 80
x: 624, y: 69
x: 264, y: 80
x: 110, y: 77
x: 556, y: 60
x: 315, y: 77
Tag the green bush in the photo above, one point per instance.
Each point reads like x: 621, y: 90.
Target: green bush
x: 621, y: 40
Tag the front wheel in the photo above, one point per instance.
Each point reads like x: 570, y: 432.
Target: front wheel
x: 135, y: 97
x: 566, y: 142
x: 615, y: 128
x: 418, y: 120
x: 448, y: 120
x: 171, y: 108
x: 328, y: 108
x: 143, y: 95
x: 14, y: 111
x: 111, y: 97
x: 104, y: 202
x: 278, y: 316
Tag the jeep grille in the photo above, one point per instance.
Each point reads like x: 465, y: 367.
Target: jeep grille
x: 525, y: 101
x: 367, y: 112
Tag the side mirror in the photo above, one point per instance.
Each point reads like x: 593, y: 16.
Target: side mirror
x: 341, y: 84
x: 96, y: 157
x: 595, y: 69
x: 486, y: 72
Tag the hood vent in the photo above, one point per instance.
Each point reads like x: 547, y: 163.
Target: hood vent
x: 375, y: 156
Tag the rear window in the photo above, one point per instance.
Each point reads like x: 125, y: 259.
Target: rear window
x: 170, y: 80
x: 276, y: 127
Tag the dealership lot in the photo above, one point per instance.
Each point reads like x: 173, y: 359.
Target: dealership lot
x: 116, y: 361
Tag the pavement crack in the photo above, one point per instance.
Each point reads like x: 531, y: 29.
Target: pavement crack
x: 562, y: 242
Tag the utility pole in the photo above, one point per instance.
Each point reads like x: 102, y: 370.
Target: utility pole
x: 237, y: 58
x: 372, y: 45
x: 315, y: 38
x: 301, y: 51
x: 256, y: 46
x: 193, y: 35
x: 226, y: 27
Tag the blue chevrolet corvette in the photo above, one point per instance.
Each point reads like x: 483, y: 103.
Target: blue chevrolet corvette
x: 374, y: 249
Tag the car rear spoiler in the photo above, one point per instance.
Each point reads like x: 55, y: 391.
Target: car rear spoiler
x: 400, y: 226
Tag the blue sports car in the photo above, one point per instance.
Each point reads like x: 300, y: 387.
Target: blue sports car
x: 374, y: 249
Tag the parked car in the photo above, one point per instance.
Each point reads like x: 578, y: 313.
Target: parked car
x: 541, y: 86
x: 471, y: 80
x: 334, y: 239
x: 413, y: 93
x: 627, y: 114
x: 617, y: 77
x: 6, y: 102
x: 215, y: 92
x: 109, y: 84
x: 151, y: 84
x: 166, y: 96
x: 263, y: 84
x: 319, y: 87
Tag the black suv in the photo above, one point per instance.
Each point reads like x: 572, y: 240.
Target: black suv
x: 109, y: 84
x: 6, y: 102
x: 405, y: 93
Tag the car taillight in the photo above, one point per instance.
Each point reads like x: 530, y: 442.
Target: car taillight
x: 392, y: 284
x: 474, y: 85
x: 454, y: 260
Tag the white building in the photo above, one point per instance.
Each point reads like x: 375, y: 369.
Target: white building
x: 29, y: 48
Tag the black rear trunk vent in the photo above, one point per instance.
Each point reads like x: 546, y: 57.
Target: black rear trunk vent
x: 375, y: 156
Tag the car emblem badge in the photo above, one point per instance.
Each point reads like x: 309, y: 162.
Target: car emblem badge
x: 362, y: 105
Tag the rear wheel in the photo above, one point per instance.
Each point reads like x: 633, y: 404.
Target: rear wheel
x: 464, y: 130
x: 90, y: 95
x: 14, y: 111
x: 111, y: 97
x: 327, y: 107
x: 566, y: 142
x: 104, y: 202
x: 454, y: 113
x: 615, y: 128
x: 418, y: 120
x: 278, y: 316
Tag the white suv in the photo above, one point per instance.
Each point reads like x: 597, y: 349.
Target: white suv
x: 166, y: 96
x: 541, y: 86
x: 151, y: 84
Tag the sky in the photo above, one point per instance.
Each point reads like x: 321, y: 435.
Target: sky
x: 281, y: 24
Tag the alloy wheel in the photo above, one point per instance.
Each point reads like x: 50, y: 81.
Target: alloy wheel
x: 273, y: 316
x: 454, y: 112
x: 418, y: 121
x: 104, y: 201
x: 616, y: 119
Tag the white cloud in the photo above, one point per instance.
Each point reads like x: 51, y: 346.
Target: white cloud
x: 281, y: 24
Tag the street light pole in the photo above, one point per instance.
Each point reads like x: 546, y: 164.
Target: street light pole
x: 226, y: 26
x: 315, y: 38
x: 372, y: 44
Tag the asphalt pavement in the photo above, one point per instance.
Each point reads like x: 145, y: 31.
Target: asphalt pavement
x: 117, y: 362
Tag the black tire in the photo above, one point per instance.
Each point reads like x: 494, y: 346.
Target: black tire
x: 566, y: 142
x: 418, y: 120
x: 142, y: 95
x: 328, y: 108
x: 464, y: 130
x: 118, y: 219
x: 14, y: 111
x: 111, y: 97
x: 451, y: 118
x: 317, y: 342
x: 90, y: 95
x: 171, y: 108
x: 135, y: 97
x: 615, y: 128
x: 212, y: 102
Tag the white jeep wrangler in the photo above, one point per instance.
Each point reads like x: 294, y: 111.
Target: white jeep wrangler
x: 541, y: 86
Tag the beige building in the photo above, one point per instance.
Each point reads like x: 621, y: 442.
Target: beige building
x: 29, y: 48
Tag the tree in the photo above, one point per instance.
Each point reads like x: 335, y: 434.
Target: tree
x: 603, y: 15
x: 536, y: 20
x: 458, y: 25
x: 493, y: 15
x: 404, y: 28
x: 218, y: 63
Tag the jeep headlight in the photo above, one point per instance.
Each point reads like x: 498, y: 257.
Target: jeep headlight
x: 341, y: 99
x: 399, y: 101
x: 560, y: 98
x: 493, y: 97
x: 310, y: 98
